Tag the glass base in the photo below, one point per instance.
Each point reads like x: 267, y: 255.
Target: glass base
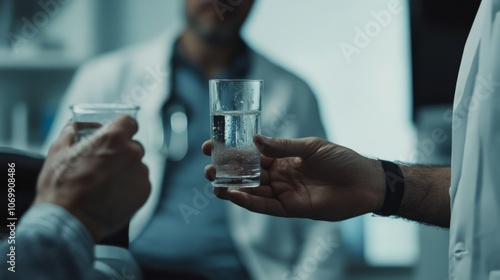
x: 237, y: 182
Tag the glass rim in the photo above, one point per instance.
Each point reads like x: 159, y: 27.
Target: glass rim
x: 235, y: 80
x: 83, y: 107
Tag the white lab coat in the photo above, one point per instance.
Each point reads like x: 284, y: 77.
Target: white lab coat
x: 270, y: 247
x: 475, y: 184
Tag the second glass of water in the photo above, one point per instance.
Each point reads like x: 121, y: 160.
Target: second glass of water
x: 235, y: 109
x: 89, y: 117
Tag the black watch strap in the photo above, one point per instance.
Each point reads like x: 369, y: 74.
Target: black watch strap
x: 395, y: 187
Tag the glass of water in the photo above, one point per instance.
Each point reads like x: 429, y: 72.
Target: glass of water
x: 89, y: 117
x: 235, y: 109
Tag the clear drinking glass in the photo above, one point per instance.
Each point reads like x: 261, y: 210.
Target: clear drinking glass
x: 235, y: 109
x: 89, y: 117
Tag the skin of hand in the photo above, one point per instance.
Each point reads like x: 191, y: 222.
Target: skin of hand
x: 101, y: 180
x: 309, y: 178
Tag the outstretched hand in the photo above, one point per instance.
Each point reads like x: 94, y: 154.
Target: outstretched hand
x: 309, y: 178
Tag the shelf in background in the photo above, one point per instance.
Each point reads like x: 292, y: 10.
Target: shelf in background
x: 38, y: 60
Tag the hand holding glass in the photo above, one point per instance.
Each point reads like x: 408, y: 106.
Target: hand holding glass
x: 235, y: 109
x: 89, y: 117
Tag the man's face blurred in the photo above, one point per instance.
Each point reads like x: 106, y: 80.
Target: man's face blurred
x: 217, y: 21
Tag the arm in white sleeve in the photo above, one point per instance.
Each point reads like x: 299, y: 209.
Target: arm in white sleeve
x: 50, y: 244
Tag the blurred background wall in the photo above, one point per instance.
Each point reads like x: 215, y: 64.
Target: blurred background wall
x: 356, y: 55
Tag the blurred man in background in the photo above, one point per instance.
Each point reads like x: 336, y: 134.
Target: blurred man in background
x: 183, y: 232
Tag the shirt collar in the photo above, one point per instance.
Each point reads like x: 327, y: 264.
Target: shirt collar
x: 238, y: 68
